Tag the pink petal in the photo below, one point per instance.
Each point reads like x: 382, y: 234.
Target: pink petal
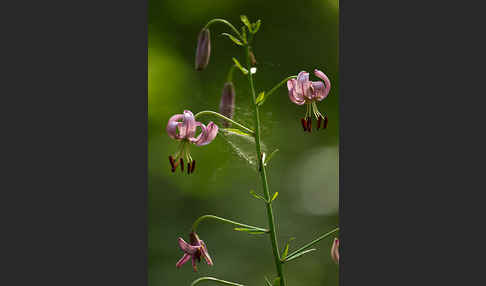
x: 208, y: 134
x: 203, y: 131
x: 319, y: 90
x: 183, y: 260
x: 187, y: 248
x: 172, y: 126
x: 194, y: 264
x: 293, y: 95
x: 205, y: 253
x: 188, y: 126
x: 326, y: 80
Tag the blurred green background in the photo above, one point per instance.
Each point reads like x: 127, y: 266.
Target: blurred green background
x: 294, y: 36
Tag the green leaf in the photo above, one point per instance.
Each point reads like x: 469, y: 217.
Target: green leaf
x: 252, y: 192
x: 245, y: 21
x: 243, y: 33
x: 286, y: 250
x: 276, y: 282
x: 274, y: 196
x: 237, y: 63
x: 260, y: 98
x: 270, y: 156
x: 256, y: 26
x: 299, y: 255
x: 233, y: 38
x: 236, y: 131
x: 267, y: 281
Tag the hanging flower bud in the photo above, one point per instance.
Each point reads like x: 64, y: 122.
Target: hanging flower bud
x: 335, y: 250
x: 227, y: 103
x: 203, y: 50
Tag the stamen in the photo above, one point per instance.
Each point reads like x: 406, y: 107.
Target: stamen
x: 304, y: 123
x: 325, y: 122
x: 188, y: 168
x: 319, y: 122
x: 193, y: 166
x: 309, y: 124
x: 171, y: 160
x: 182, y: 165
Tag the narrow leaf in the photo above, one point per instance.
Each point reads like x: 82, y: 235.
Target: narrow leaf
x: 236, y: 131
x: 252, y: 192
x: 233, y: 38
x: 276, y: 282
x: 256, y: 26
x: 249, y: 230
x: 267, y: 281
x: 245, y: 21
x: 270, y: 156
x: 286, y: 250
x: 299, y: 254
x: 237, y: 63
x: 274, y: 196
x: 243, y: 33
x: 260, y: 98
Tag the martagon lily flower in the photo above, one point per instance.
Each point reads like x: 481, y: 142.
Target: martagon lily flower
x: 303, y: 91
x: 182, y: 127
x: 335, y: 250
x: 193, y: 251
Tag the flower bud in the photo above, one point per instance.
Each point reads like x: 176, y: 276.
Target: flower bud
x: 335, y: 250
x: 227, y: 103
x: 203, y: 50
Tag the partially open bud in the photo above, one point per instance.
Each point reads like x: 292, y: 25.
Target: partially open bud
x: 227, y: 103
x: 335, y: 250
x: 203, y: 50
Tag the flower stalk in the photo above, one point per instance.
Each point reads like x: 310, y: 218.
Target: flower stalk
x: 204, y: 217
x: 263, y: 173
x: 209, y: 112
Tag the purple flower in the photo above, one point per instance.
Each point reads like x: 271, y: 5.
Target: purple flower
x: 303, y: 91
x: 182, y: 127
x: 335, y: 251
x: 227, y: 103
x: 203, y: 49
x: 193, y: 251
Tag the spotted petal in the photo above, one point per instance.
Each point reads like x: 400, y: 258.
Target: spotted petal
x: 323, y: 89
x: 293, y: 95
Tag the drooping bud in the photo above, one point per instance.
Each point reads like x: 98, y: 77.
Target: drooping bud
x: 227, y: 103
x: 203, y: 50
x: 335, y: 251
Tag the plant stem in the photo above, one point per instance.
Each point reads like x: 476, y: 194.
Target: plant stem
x: 215, y: 280
x: 263, y: 174
x: 224, y: 22
x: 313, y: 242
x: 225, y: 118
x: 279, y: 85
x: 200, y: 219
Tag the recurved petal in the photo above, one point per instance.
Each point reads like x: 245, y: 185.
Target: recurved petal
x: 205, y: 253
x: 319, y: 90
x: 326, y: 80
x: 172, y: 126
x: 188, y: 127
x: 293, y: 95
x: 186, y: 247
x: 198, y: 138
x: 208, y: 134
x: 335, y: 250
x: 183, y: 260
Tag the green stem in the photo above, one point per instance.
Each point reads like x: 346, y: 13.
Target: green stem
x: 229, y: 78
x: 263, y: 175
x: 224, y: 22
x: 225, y: 118
x: 215, y: 280
x: 313, y: 242
x: 200, y: 219
x: 279, y: 85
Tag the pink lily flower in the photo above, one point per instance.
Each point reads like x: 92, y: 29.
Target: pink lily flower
x: 193, y: 251
x: 182, y: 127
x: 303, y: 91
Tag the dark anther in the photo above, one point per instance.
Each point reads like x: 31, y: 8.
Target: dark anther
x: 193, y: 166
x: 325, y: 122
x: 309, y: 124
x: 304, y: 123
x: 172, y: 163
x: 182, y: 165
x: 188, y: 167
x: 319, y: 122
